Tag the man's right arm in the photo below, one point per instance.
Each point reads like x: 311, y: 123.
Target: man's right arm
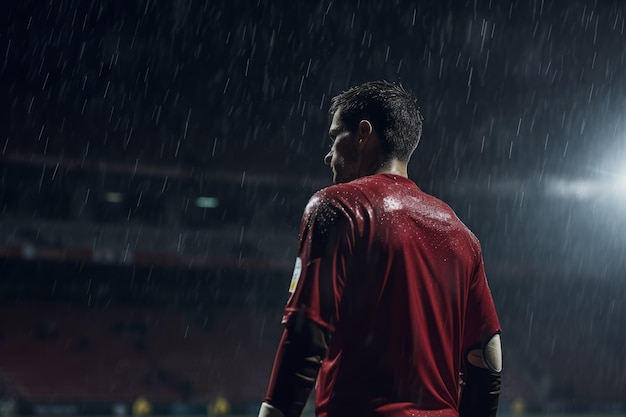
x: 310, y: 311
x: 298, y: 359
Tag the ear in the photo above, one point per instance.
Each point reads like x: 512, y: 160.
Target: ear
x: 365, y: 131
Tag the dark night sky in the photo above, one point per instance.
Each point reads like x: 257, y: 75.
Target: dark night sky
x: 507, y: 88
x: 522, y: 100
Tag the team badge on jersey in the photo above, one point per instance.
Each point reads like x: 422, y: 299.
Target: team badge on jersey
x: 297, y: 269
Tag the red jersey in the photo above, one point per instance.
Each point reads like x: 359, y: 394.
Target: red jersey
x: 399, y: 282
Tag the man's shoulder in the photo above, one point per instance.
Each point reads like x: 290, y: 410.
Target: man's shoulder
x: 343, y: 197
x: 363, y: 192
x: 328, y: 197
x: 343, y: 194
x: 337, y: 190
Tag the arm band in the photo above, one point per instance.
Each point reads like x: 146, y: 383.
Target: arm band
x: 481, y: 390
x: 298, y: 360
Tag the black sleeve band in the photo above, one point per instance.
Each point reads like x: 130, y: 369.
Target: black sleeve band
x: 298, y: 360
x: 481, y: 391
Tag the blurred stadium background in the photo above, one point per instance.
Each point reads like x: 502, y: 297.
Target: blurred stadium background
x: 156, y: 157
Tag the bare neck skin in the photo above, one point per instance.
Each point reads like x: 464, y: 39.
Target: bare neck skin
x: 394, y: 167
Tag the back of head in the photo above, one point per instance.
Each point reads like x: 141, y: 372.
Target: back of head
x: 391, y: 110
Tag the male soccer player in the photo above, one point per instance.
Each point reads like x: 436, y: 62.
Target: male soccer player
x: 389, y: 309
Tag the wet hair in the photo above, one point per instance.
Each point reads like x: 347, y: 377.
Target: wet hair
x: 391, y: 110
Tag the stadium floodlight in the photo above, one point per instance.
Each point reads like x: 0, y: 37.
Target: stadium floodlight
x: 113, y: 197
x: 207, y: 202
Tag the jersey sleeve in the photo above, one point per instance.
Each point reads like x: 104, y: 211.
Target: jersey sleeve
x: 481, y: 318
x: 319, y: 274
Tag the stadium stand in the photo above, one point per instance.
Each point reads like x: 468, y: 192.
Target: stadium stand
x: 56, y: 353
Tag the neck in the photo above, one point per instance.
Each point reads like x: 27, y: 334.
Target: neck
x: 394, y: 167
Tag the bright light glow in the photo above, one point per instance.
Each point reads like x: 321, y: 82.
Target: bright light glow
x: 572, y: 188
x: 609, y: 184
x: 620, y: 182
x: 207, y: 202
x: 113, y: 197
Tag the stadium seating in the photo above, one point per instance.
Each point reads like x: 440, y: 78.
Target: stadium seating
x: 51, y: 352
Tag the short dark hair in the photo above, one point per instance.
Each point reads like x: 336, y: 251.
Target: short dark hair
x: 391, y: 110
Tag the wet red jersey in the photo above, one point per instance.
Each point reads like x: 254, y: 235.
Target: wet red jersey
x: 399, y: 282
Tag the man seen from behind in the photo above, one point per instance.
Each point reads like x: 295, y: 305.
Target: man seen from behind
x: 389, y: 310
